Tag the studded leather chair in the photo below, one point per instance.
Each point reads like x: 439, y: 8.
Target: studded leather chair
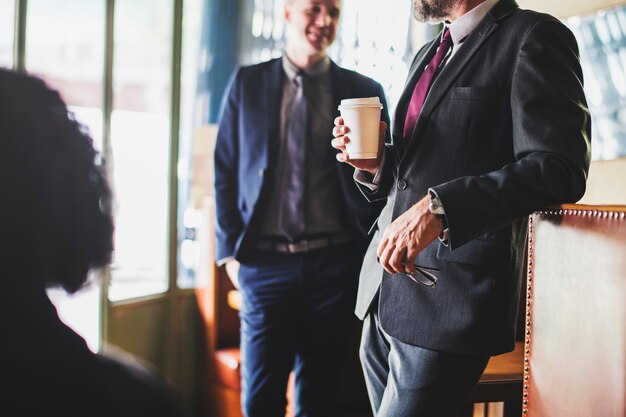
x: 575, y: 354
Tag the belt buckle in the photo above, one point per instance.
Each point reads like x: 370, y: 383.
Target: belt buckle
x: 296, y: 247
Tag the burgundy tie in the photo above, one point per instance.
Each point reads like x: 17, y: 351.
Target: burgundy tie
x: 423, y: 84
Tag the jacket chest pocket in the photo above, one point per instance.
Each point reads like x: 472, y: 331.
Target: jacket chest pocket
x: 469, y: 105
x: 472, y: 93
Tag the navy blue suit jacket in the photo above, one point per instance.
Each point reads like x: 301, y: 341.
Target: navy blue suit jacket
x: 248, y: 129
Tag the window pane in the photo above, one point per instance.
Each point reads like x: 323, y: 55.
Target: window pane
x: 81, y: 312
x: 602, y: 41
x: 66, y: 47
x: 193, y: 183
x: 7, y: 14
x: 384, y: 55
x: 140, y: 145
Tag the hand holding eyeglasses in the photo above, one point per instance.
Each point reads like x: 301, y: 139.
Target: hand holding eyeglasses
x: 406, y: 237
x: 422, y: 275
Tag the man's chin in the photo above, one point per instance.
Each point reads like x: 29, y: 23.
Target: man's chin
x: 318, y: 47
x: 320, y: 43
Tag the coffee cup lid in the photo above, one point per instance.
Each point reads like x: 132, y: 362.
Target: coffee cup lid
x: 361, y: 102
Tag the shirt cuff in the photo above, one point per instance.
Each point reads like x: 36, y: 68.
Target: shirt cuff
x: 224, y: 261
x: 368, y: 180
x: 437, y: 209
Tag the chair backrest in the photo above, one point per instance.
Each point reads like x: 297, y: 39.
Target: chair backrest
x: 220, y: 321
x: 575, y: 354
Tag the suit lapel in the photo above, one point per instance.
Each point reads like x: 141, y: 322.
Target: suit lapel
x: 459, y: 63
x: 422, y: 58
x: 339, y: 85
x: 342, y: 89
x: 272, y: 89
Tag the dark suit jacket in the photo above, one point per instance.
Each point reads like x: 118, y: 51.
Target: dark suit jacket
x: 243, y: 153
x: 505, y: 130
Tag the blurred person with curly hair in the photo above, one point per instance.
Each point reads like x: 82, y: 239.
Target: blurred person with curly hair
x: 55, y: 227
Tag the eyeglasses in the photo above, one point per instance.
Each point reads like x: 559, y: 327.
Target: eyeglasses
x: 423, y: 276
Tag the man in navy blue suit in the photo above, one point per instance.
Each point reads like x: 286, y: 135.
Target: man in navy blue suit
x: 291, y: 225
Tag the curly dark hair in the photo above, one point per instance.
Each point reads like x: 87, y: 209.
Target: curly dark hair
x: 55, y: 217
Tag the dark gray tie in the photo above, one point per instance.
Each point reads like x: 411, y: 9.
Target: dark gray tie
x: 291, y: 219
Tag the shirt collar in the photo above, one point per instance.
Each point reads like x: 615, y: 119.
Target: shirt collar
x: 321, y: 67
x: 464, y: 25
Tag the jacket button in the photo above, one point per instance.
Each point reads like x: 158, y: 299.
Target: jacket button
x: 402, y: 184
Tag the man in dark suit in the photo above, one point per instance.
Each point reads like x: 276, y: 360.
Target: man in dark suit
x: 291, y: 225
x: 492, y: 125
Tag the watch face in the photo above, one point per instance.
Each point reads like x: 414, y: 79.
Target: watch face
x: 435, y: 206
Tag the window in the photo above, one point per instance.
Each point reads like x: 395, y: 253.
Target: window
x: 383, y: 55
x: 140, y: 146
x: 65, y: 47
x: 193, y: 182
x: 7, y: 13
x: 602, y: 41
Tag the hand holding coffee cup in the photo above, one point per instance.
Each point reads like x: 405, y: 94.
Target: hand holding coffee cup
x: 359, y: 133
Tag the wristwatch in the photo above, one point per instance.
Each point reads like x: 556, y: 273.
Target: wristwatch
x: 436, y: 208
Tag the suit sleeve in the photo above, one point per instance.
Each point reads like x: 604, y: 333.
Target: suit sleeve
x: 380, y: 193
x: 228, y: 222
x: 551, y: 141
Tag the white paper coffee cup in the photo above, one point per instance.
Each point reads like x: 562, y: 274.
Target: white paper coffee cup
x: 362, y: 117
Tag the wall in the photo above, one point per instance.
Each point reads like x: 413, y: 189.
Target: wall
x: 606, y: 184
x: 567, y: 8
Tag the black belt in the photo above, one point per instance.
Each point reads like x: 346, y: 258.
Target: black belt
x: 304, y: 245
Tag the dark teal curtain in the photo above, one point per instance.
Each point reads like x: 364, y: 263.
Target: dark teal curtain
x: 220, y: 45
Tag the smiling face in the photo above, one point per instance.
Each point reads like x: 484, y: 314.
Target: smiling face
x: 311, y: 27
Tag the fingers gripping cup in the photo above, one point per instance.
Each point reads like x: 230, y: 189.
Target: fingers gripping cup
x: 362, y: 117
